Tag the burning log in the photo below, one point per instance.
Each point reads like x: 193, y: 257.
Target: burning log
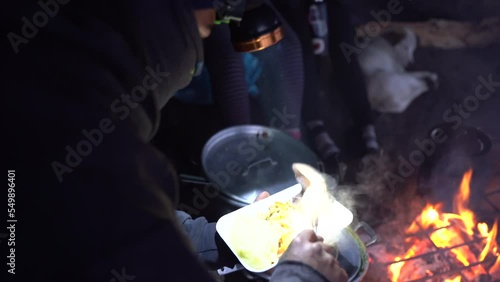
x: 449, y: 247
x: 483, y: 278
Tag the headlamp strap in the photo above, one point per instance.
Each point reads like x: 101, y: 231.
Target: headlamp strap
x: 229, y: 10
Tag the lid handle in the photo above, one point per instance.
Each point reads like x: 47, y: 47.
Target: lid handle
x: 257, y: 163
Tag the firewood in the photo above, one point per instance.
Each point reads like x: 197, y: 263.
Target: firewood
x: 446, y: 34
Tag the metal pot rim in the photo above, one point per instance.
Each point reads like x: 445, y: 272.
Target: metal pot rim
x: 364, y: 261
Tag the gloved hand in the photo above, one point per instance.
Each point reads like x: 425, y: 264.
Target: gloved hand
x: 309, y: 249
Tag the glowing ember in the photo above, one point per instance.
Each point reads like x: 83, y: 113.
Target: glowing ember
x: 456, y: 279
x: 452, y: 232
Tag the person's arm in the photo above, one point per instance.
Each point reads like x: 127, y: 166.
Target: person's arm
x: 109, y: 217
x: 308, y: 259
x: 293, y: 271
x: 207, y: 243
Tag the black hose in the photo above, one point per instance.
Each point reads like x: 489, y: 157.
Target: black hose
x: 281, y: 83
x: 227, y: 73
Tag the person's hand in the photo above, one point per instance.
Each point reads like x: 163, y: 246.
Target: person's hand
x: 309, y: 249
x: 262, y: 196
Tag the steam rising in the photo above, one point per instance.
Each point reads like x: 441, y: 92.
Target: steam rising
x: 369, y: 196
x: 328, y: 217
x: 374, y: 201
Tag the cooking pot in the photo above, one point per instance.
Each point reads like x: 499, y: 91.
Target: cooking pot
x: 353, y: 256
x: 445, y: 162
x: 352, y: 253
x: 242, y: 161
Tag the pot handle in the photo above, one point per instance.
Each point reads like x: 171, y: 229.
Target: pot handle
x: 257, y: 163
x: 227, y: 270
x: 369, y: 231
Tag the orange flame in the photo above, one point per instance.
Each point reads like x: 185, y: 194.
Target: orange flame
x: 452, y: 230
x: 456, y: 279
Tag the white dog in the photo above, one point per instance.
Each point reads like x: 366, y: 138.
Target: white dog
x: 391, y: 89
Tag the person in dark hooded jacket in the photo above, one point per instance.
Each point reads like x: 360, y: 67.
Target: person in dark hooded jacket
x: 85, y: 82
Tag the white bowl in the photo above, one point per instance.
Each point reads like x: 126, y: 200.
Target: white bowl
x: 231, y: 225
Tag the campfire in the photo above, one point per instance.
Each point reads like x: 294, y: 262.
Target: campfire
x: 449, y: 247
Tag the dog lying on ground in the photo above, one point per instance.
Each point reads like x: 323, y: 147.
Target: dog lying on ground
x: 391, y: 89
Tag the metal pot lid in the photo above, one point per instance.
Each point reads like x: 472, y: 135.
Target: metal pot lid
x: 243, y: 161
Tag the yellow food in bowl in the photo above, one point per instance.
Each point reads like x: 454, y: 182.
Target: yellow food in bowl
x: 284, y: 215
x: 260, y: 240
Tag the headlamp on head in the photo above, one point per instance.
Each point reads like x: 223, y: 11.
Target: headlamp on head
x: 253, y: 23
